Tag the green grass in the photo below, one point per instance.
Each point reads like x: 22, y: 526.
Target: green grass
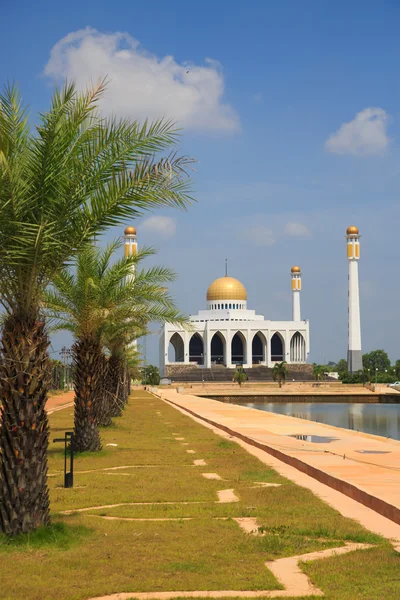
x: 204, y: 553
x: 58, y: 535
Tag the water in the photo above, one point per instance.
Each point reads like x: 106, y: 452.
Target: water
x: 379, y: 419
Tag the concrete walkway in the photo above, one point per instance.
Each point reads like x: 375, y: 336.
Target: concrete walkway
x: 347, y: 464
x: 59, y: 401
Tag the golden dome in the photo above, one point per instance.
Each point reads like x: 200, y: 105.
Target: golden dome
x: 226, y: 288
x: 352, y: 230
x: 295, y: 269
x: 130, y: 231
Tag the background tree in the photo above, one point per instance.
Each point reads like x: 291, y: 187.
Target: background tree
x: 240, y: 376
x: 377, y: 359
x: 77, y: 175
x: 318, y: 372
x: 397, y: 369
x: 341, y: 366
x: 280, y: 372
x: 151, y: 375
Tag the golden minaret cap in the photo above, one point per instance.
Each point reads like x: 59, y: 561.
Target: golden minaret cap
x: 352, y: 230
x: 130, y: 231
x: 295, y: 269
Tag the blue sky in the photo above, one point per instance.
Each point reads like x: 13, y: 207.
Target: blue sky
x: 291, y: 109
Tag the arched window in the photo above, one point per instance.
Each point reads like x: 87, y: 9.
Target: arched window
x: 277, y: 348
x: 258, y: 349
x: 196, y: 349
x: 218, y: 346
x: 297, y: 348
x: 238, y: 349
x: 176, y: 348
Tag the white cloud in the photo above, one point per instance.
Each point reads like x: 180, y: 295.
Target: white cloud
x: 141, y: 84
x: 162, y: 226
x: 259, y: 235
x: 296, y: 229
x: 365, y: 135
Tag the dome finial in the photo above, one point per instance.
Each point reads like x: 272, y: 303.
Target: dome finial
x: 352, y: 230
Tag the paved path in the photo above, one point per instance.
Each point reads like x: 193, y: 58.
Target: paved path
x: 372, y: 479
x: 59, y: 401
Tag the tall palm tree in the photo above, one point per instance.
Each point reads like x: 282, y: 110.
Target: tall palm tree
x: 99, y: 301
x: 280, y: 372
x: 72, y: 178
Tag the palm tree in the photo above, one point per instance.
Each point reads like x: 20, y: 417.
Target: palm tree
x: 72, y: 178
x: 318, y: 372
x: 280, y: 372
x: 152, y: 375
x: 119, y: 340
x: 240, y: 376
x: 100, y: 303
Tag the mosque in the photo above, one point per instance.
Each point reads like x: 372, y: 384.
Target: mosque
x: 228, y: 333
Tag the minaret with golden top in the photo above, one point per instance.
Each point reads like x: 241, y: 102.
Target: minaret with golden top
x: 296, y: 289
x: 354, y: 356
x: 130, y: 244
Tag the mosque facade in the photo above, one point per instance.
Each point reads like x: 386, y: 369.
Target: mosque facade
x: 228, y: 333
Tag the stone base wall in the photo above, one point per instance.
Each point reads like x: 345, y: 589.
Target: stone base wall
x: 173, y: 370
x: 303, y: 368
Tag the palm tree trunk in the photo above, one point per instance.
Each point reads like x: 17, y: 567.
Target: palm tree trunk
x: 24, y: 434
x: 102, y: 403
x: 126, y: 383
x: 89, y: 371
x: 115, y: 383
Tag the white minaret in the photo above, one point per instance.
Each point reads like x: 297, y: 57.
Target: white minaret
x: 354, y: 356
x: 296, y: 289
x: 130, y: 249
x: 130, y: 245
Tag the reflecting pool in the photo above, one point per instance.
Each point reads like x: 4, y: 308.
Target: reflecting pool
x: 379, y: 419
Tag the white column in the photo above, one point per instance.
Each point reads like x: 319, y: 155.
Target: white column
x: 249, y: 350
x: 228, y: 350
x: 186, y: 340
x: 162, y: 353
x: 354, y: 316
x: 286, y: 349
x: 354, y: 355
x: 207, y: 347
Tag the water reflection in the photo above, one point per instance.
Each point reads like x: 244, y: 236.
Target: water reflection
x: 379, y: 419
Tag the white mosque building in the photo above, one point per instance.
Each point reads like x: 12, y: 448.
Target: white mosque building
x: 228, y: 333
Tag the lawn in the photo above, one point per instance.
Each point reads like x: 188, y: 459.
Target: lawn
x: 202, y: 548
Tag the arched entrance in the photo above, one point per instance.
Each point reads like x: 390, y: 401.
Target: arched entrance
x: 218, y: 355
x: 176, y: 349
x: 238, y: 349
x: 297, y: 348
x: 277, y: 348
x: 196, y: 349
x: 258, y: 348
